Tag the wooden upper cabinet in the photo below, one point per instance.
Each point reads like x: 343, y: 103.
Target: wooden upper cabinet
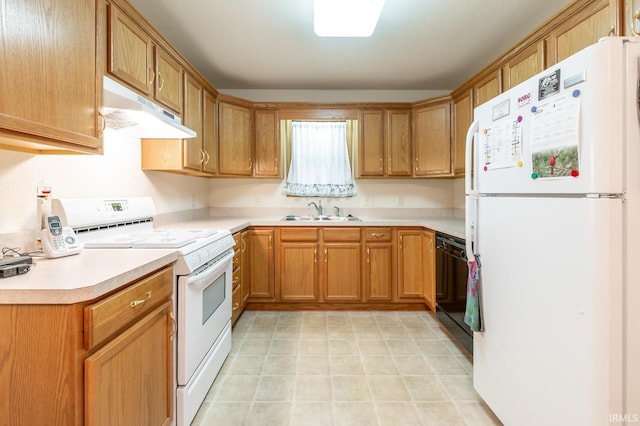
x: 51, y: 75
x: 235, y: 140
x: 521, y: 67
x: 193, y: 157
x: 267, y: 143
x: 432, y: 140
x: 209, y: 133
x: 488, y: 88
x: 130, y: 52
x: 384, y: 143
x: 136, y: 60
x: 598, y: 19
x: 462, y: 118
x: 371, y: 144
x: 398, y: 133
x: 168, y: 87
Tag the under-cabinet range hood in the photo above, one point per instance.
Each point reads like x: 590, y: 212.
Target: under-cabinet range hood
x: 126, y: 111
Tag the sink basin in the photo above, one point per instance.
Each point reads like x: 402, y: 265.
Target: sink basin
x: 322, y: 218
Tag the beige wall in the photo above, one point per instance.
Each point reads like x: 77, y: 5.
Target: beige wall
x: 115, y: 174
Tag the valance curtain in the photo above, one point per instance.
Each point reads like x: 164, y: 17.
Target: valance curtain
x: 319, y: 160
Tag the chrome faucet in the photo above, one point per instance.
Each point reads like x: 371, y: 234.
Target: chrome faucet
x: 337, y: 209
x: 318, y: 207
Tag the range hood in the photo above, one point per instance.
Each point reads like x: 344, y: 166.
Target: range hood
x: 126, y: 111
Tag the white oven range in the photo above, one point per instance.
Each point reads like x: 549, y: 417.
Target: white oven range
x: 203, y: 283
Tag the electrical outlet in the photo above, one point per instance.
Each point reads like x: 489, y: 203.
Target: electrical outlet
x: 193, y: 200
x: 257, y: 201
x: 368, y: 200
x: 400, y: 200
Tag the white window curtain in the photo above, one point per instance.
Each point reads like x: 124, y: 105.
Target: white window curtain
x: 319, y: 160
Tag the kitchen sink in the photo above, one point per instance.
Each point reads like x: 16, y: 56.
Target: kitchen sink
x: 321, y: 218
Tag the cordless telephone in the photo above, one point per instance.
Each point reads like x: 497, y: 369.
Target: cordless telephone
x: 58, y: 240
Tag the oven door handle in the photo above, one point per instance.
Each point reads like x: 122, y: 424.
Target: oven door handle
x: 206, y: 277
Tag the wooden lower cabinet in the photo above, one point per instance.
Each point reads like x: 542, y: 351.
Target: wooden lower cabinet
x: 341, y: 265
x: 298, y: 265
x: 412, y: 268
x: 379, y: 270
x: 59, y: 366
x: 237, y: 281
x: 430, y: 265
x: 130, y: 380
x: 355, y: 265
x: 259, y: 275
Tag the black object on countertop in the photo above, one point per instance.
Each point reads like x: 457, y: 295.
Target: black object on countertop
x: 10, y: 266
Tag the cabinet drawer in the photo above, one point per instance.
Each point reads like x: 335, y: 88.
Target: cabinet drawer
x: 377, y: 234
x: 341, y: 234
x: 298, y: 234
x: 106, y: 317
x: 236, y: 304
x: 236, y: 278
x: 237, y: 238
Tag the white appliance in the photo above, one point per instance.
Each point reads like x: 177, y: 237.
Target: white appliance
x: 203, y: 293
x: 130, y: 113
x: 553, y: 206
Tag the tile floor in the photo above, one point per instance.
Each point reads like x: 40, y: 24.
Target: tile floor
x: 343, y: 368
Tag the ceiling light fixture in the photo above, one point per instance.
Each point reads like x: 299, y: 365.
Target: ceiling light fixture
x: 346, y: 18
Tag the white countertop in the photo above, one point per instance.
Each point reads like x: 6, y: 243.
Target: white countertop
x: 95, y: 272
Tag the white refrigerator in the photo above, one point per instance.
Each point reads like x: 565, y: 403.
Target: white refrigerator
x: 553, y: 212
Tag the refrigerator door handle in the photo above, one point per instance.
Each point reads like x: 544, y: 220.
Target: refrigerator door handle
x: 471, y: 198
x: 470, y: 181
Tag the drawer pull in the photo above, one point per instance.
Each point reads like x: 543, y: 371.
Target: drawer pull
x: 135, y: 303
x: 236, y: 306
x: 377, y: 234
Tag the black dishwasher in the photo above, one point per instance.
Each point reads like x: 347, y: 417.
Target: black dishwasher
x: 451, y: 288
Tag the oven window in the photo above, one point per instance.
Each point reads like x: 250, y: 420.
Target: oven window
x: 213, y: 297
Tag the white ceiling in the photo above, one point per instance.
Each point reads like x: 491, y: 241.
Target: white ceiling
x: 417, y: 45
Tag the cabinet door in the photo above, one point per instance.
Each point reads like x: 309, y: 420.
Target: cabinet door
x: 130, y: 380
x: 430, y: 263
x: 412, y: 269
x: 488, y: 88
x: 432, y: 141
x: 168, y: 87
x: 398, y: 132
x: 580, y: 31
x: 193, y: 155
x: 130, y: 52
x: 209, y: 134
x: 267, y: 143
x: 260, y: 264
x: 378, y: 271
x: 235, y: 141
x: 371, y: 144
x: 299, y: 271
x: 462, y: 117
x: 50, y: 74
x: 342, y: 272
x: 523, y: 66
x: 246, y: 274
